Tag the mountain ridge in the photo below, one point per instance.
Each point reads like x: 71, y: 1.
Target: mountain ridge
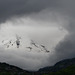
x: 66, y: 66
x: 59, y: 65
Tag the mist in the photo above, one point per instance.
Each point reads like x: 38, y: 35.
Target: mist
x: 46, y: 33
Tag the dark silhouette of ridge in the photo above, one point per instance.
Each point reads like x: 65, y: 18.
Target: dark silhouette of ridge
x: 64, y: 67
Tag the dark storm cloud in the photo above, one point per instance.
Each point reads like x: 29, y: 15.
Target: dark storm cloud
x: 10, y: 8
x: 66, y: 48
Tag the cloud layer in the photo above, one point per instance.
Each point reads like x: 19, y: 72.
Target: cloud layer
x: 10, y: 8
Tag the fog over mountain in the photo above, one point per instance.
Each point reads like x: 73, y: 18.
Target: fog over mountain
x: 46, y: 22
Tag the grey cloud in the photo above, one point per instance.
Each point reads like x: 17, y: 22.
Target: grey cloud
x: 66, y: 48
x: 10, y: 8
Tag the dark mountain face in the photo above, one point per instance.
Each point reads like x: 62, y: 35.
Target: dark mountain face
x: 6, y: 69
x: 59, y: 65
x: 66, y: 67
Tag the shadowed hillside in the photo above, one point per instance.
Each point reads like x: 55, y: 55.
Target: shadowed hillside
x: 6, y: 69
x: 64, y: 67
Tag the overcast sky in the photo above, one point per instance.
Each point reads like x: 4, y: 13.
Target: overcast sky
x: 47, y: 22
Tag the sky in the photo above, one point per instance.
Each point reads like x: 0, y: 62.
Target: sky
x: 46, y: 22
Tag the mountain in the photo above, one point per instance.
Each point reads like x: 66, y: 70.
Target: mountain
x: 64, y: 67
x: 6, y: 69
